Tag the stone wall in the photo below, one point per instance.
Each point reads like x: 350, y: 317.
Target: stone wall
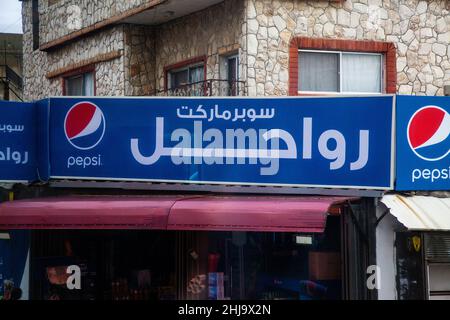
x: 260, y: 31
x: 35, y: 67
x: 148, y: 50
x: 67, y: 16
x: 110, y: 77
x: 211, y: 32
x: 419, y: 29
x: 140, y: 60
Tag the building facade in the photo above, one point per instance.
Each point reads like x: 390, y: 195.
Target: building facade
x: 230, y: 48
x: 11, y: 83
x: 257, y: 48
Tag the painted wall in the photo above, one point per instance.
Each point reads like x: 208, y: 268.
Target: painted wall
x: 385, y: 251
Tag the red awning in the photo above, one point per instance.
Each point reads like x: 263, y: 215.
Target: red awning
x: 85, y: 212
x: 256, y: 213
x: 225, y: 213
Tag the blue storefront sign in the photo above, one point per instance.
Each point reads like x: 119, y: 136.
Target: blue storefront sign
x: 17, y: 142
x: 342, y: 142
x: 423, y: 143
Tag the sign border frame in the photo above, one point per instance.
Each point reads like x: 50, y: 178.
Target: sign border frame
x: 190, y: 182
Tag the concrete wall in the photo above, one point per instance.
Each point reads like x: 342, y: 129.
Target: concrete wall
x: 385, y: 251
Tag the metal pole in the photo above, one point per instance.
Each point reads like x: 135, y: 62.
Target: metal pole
x: 5, y: 82
x: 4, y: 51
x: 6, y: 90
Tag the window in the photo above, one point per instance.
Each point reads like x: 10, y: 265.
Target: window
x: 439, y: 281
x: 80, y: 85
x: 187, y: 80
x: 337, y: 71
x: 186, y: 75
x: 229, y: 75
x: 386, y: 52
x: 233, y: 75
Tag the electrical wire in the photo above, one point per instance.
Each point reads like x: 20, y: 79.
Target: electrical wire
x: 11, y: 25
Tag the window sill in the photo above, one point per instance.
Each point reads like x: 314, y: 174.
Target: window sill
x: 327, y: 93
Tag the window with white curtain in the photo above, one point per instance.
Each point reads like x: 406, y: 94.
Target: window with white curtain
x: 187, y: 75
x: 80, y: 85
x: 188, y: 80
x: 339, y: 72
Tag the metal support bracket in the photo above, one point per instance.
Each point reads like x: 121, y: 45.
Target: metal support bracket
x: 356, y: 222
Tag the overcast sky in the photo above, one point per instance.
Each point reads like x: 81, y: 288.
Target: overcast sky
x: 10, y: 16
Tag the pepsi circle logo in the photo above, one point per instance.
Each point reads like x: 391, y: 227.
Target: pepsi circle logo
x: 428, y: 133
x: 84, y: 125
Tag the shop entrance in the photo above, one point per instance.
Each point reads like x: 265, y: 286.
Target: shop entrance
x: 170, y: 265
x: 115, y: 265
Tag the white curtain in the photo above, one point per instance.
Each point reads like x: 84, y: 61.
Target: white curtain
x: 196, y: 74
x: 361, y: 72
x: 89, y: 84
x: 74, y: 86
x: 318, y: 71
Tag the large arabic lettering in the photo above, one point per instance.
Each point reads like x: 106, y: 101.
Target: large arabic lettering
x: 9, y: 155
x: 242, y: 146
x: 18, y: 141
x: 215, y: 152
x: 15, y: 156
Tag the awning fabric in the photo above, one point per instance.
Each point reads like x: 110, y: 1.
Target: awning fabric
x: 275, y: 214
x: 419, y: 212
x: 86, y: 213
x: 238, y: 213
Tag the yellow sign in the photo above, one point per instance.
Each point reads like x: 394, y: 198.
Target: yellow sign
x: 416, y: 243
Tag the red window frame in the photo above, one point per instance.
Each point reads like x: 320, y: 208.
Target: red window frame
x: 77, y: 72
x: 182, y: 64
x: 386, y: 48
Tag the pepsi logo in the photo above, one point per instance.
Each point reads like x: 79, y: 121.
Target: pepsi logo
x: 429, y: 133
x: 84, y: 125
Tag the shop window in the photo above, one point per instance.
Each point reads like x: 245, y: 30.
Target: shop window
x: 115, y: 264
x: 82, y: 84
x: 343, y: 72
x: 169, y: 265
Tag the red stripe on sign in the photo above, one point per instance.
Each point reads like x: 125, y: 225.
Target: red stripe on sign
x: 424, y: 125
x: 78, y: 119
